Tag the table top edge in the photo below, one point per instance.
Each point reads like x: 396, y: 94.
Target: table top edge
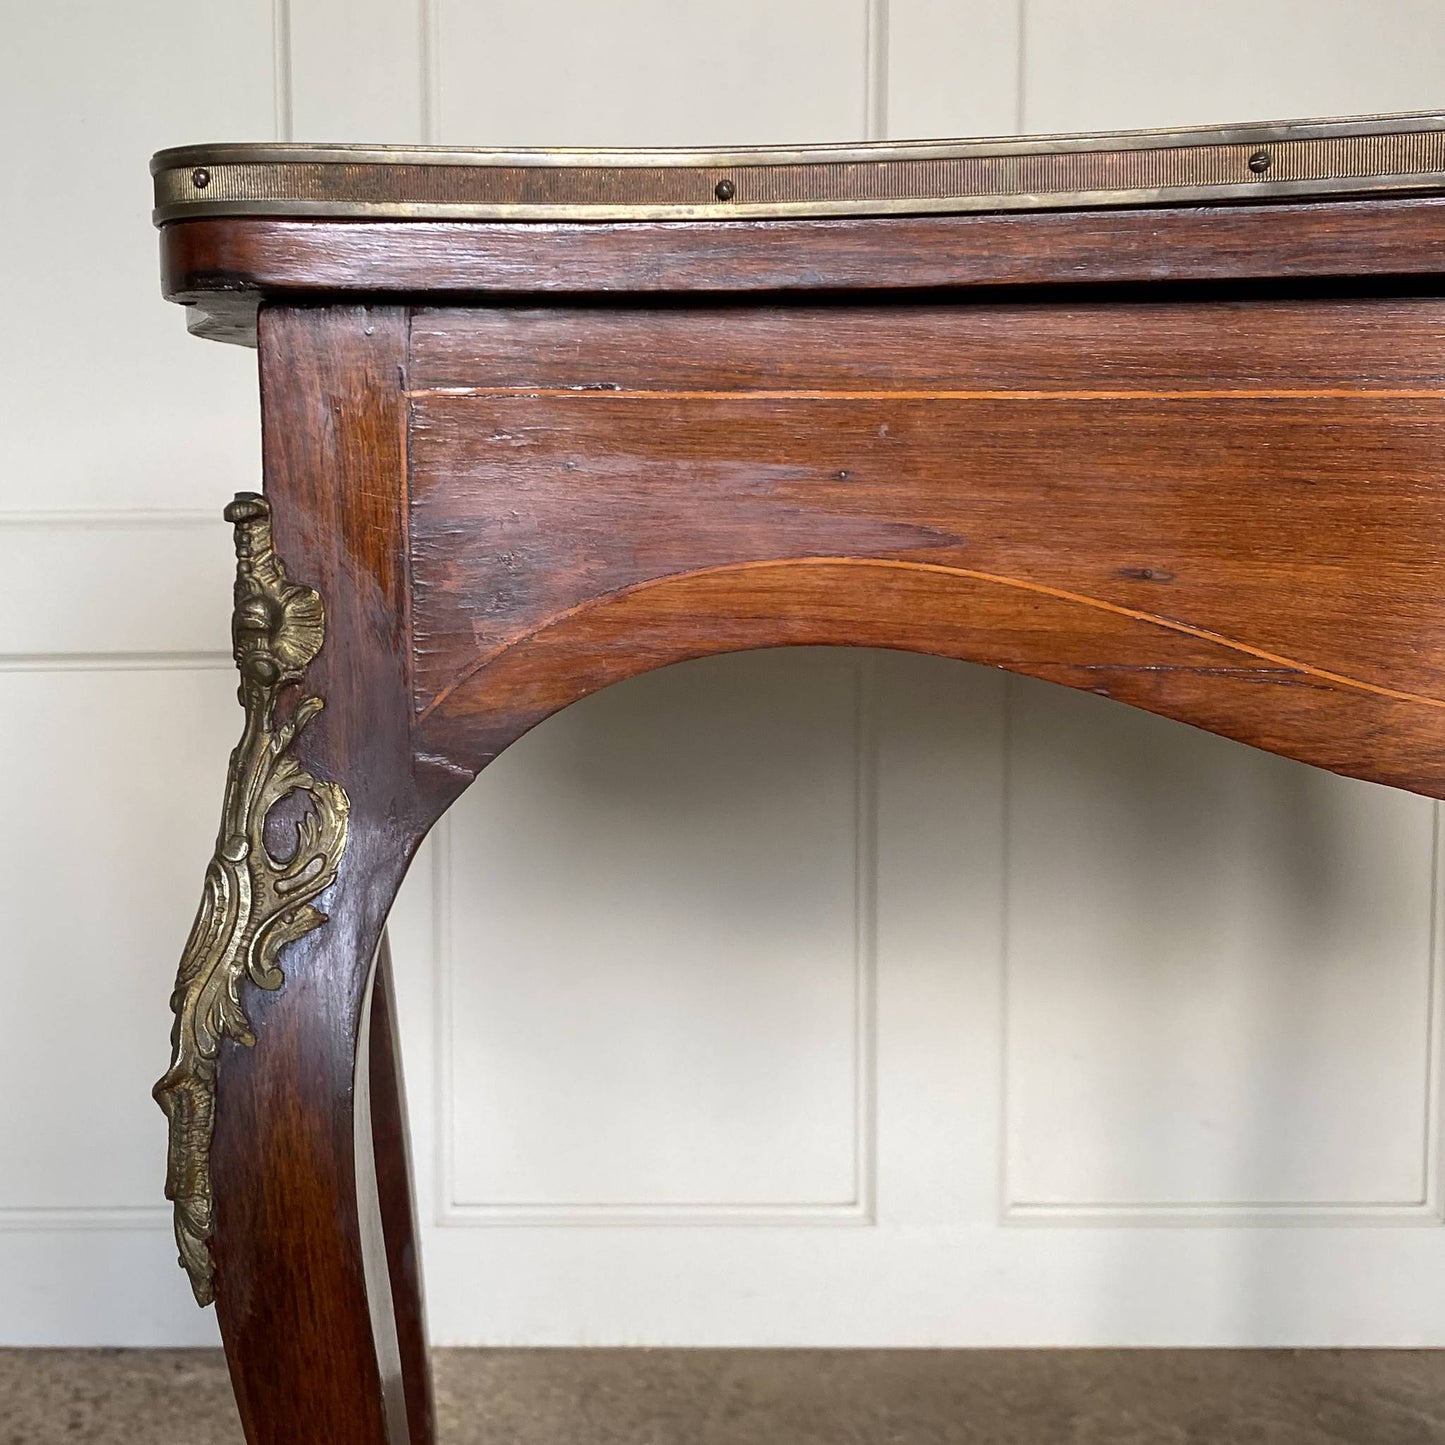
x: 1356, y: 156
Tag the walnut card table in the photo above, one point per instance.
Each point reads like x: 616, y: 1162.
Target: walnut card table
x: 1157, y: 415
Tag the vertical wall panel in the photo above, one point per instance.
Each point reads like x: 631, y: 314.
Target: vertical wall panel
x: 658, y: 953
x: 1220, y: 973
x: 650, y: 72
x: 104, y: 827
x: 109, y: 814
x: 952, y: 67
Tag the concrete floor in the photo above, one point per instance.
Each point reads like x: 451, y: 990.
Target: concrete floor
x: 801, y: 1397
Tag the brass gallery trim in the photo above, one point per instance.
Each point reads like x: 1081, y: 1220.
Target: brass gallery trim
x: 1404, y: 154
x: 254, y: 903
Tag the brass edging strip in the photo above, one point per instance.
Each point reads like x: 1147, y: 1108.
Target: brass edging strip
x: 1401, y: 154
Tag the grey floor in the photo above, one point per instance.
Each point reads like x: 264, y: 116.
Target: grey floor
x: 800, y: 1397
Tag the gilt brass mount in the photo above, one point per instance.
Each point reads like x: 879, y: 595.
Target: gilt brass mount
x: 254, y: 903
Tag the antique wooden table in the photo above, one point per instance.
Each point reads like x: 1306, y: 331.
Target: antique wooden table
x: 1161, y: 416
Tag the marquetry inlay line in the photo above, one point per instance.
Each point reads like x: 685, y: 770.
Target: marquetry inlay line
x: 628, y: 393
x: 1041, y: 589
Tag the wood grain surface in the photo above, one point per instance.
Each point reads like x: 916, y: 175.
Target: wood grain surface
x: 224, y: 267
x: 290, y: 1238
x: 1214, y: 510
x: 1187, y: 459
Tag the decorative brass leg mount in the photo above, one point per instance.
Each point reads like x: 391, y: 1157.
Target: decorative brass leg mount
x: 254, y: 903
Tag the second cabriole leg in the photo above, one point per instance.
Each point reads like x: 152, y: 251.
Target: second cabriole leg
x: 391, y: 1152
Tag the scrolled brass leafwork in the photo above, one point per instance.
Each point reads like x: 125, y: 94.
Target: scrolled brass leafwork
x: 253, y: 903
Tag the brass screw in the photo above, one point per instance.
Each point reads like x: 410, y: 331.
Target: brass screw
x: 1259, y: 162
x: 725, y: 190
x: 200, y: 178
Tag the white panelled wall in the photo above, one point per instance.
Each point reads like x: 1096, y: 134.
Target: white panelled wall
x: 796, y: 998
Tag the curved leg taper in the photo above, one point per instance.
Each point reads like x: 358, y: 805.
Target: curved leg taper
x: 391, y: 1148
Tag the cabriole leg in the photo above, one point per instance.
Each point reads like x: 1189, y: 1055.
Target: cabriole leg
x: 260, y: 1094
